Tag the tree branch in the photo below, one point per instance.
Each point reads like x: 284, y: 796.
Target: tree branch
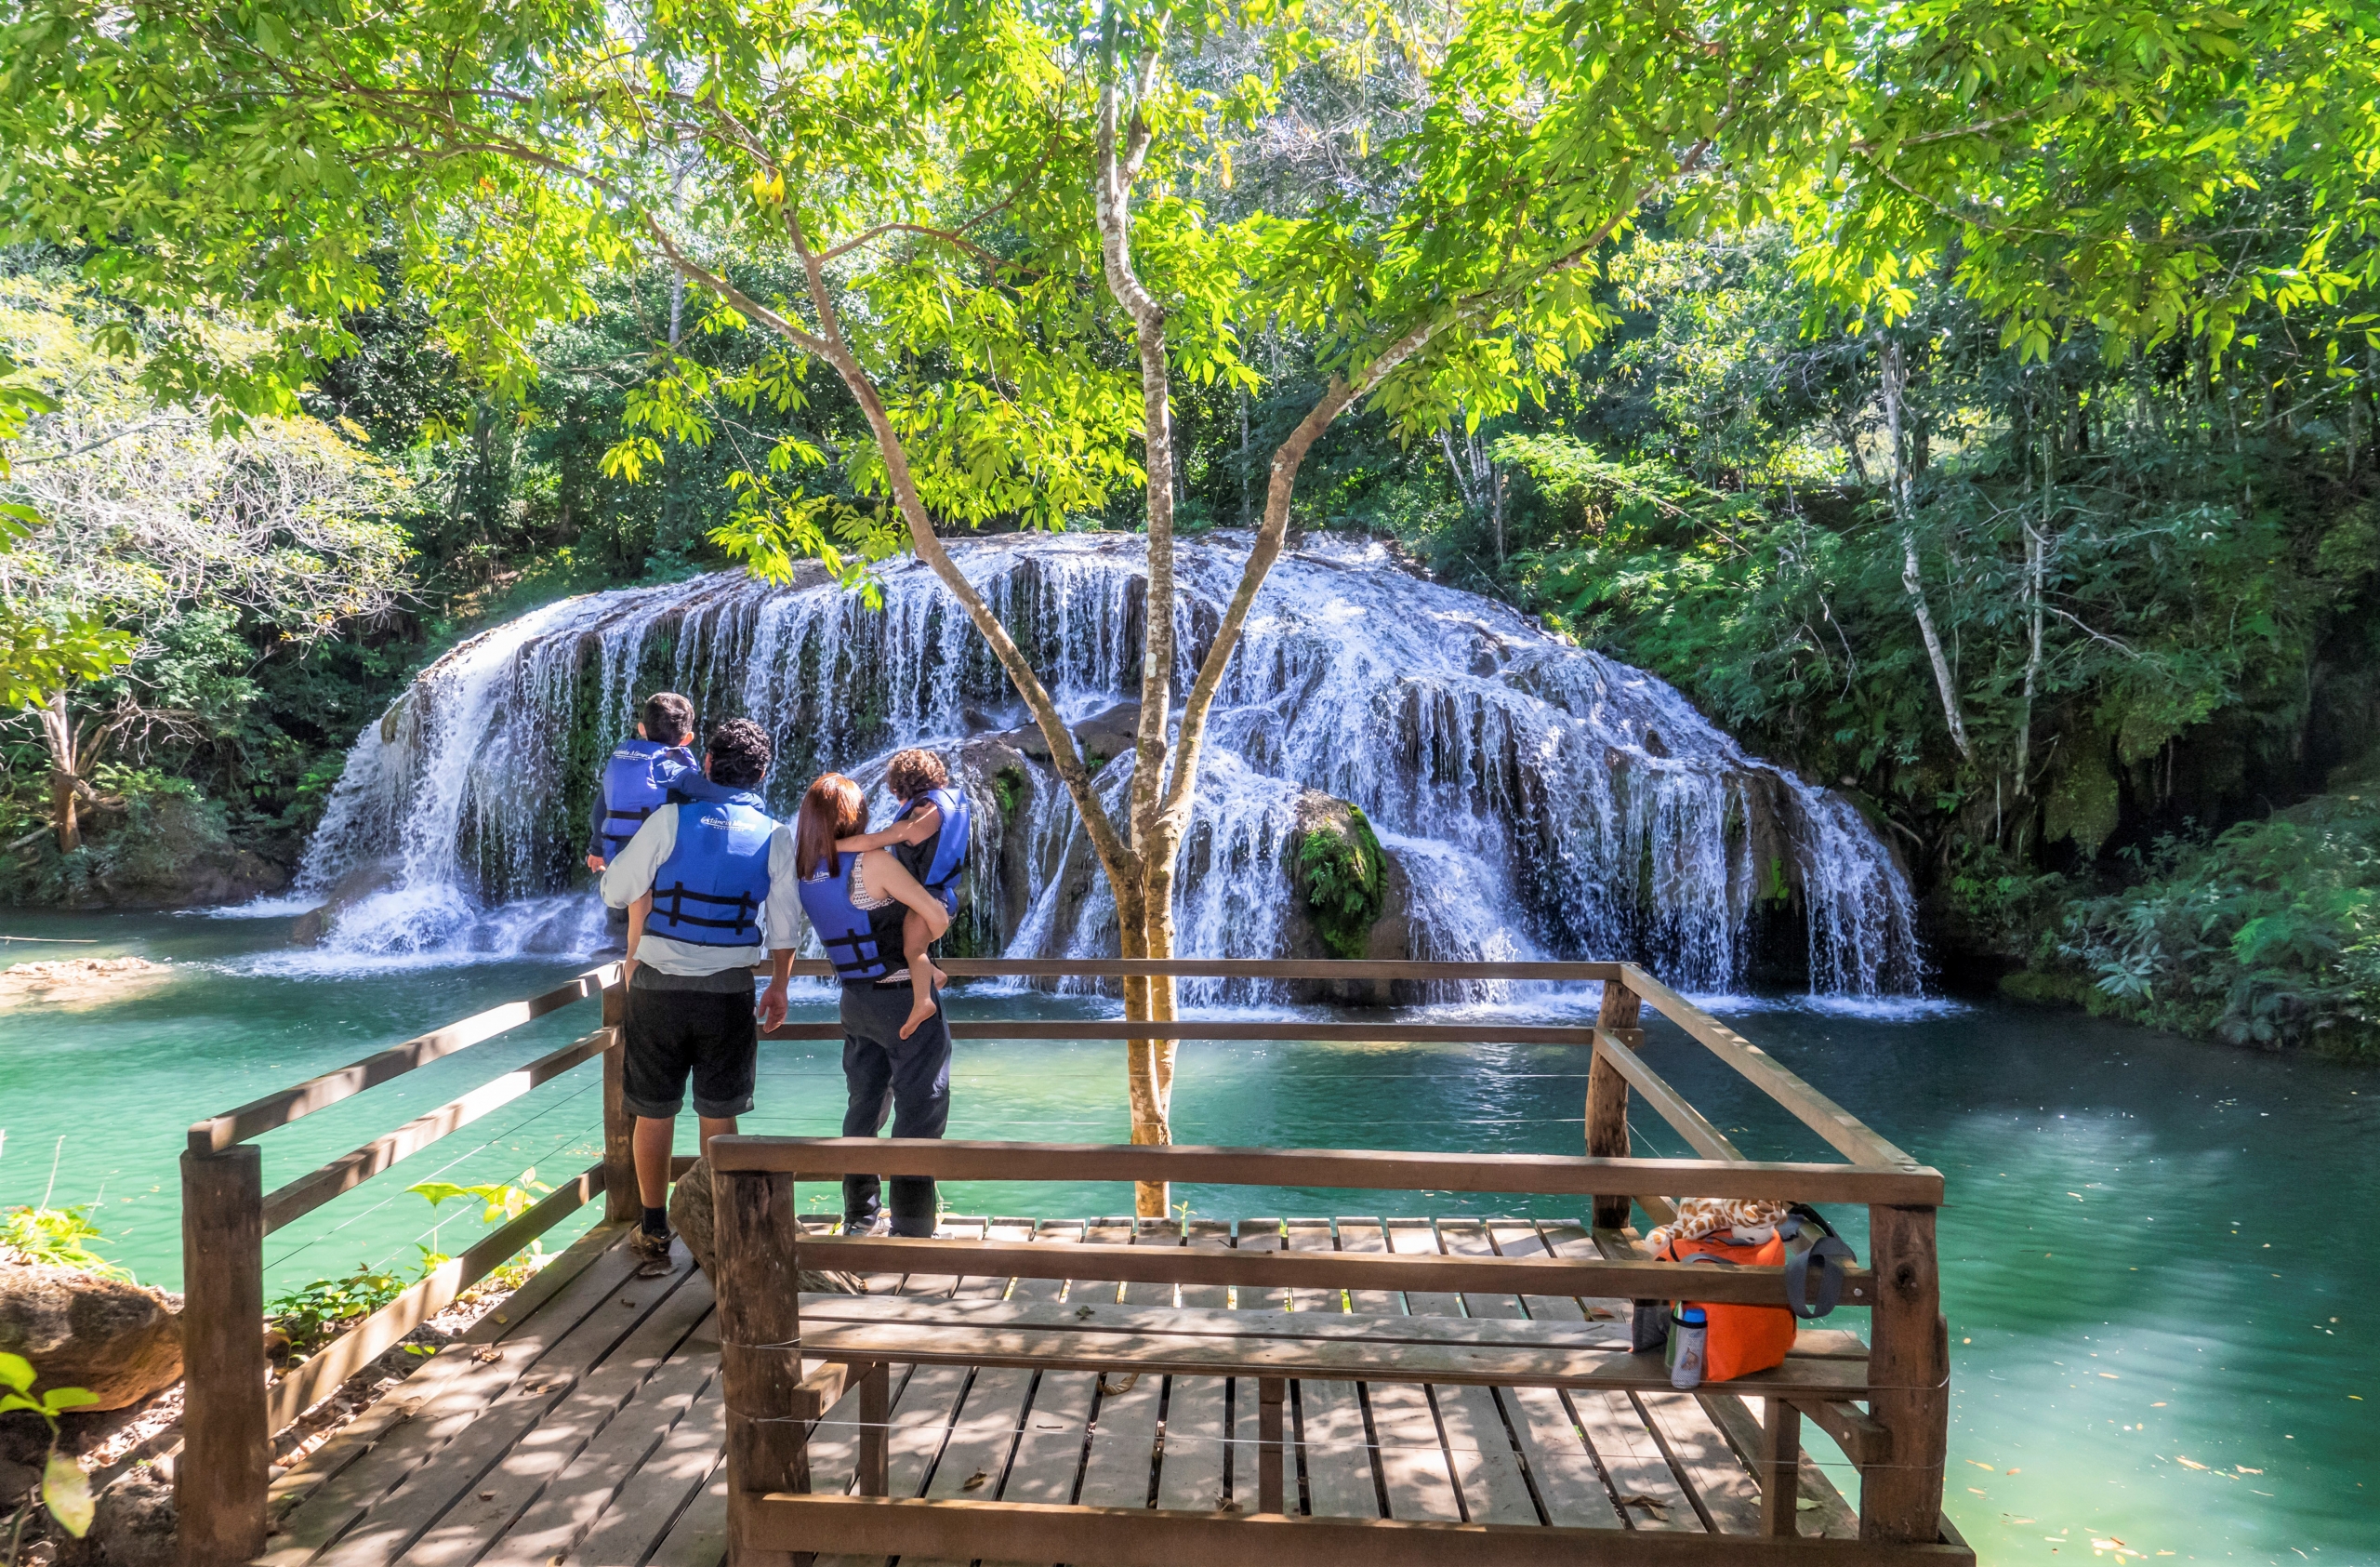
x: 1120, y: 862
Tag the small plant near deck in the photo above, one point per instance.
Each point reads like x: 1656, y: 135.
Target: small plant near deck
x: 313, y: 1314
x: 505, y: 1201
x: 57, y: 1237
x: 65, y: 1489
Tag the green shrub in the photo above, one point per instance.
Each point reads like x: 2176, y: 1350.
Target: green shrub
x: 315, y: 1312
x: 2268, y: 936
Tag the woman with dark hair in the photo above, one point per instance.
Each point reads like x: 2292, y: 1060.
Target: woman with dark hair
x: 857, y: 903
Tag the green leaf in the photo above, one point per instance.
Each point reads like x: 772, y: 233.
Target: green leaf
x: 66, y: 1490
x: 439, y: 1191
x: 16, y: 1372
x: 60, y: 1398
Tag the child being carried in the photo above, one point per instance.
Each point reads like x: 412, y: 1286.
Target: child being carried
x: 929, y: 837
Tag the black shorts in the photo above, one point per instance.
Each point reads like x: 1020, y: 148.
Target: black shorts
x: 674, y: 1034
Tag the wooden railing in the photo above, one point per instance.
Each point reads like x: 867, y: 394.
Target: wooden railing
x: 231, y: 1411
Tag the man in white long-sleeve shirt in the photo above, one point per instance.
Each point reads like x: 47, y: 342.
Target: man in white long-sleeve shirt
x: 724, y: 890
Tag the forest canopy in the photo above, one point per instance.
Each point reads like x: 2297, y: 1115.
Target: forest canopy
x: 1967, y: 401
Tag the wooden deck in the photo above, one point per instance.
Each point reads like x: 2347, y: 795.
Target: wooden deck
x: 582, y: 1423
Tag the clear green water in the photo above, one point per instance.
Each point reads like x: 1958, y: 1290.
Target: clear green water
x: 2155, y: 1251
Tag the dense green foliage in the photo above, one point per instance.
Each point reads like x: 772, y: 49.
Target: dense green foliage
x: 2268, y: 934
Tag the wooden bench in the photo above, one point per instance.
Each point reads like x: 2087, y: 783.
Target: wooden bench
x: 768, y: 1330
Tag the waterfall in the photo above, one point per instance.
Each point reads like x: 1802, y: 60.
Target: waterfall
x: 1535, y: 799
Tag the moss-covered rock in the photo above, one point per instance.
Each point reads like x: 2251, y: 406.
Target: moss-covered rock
x: 1341, y: 872
x: 166, y: 847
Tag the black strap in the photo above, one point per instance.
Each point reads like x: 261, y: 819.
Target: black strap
x: 742, y: 903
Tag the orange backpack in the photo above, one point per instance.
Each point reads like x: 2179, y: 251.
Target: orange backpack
x: 1739, y: 1339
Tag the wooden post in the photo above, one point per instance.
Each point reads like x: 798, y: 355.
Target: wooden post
x: 760, y: 1334
x: 621, y: 1202
x: 1269, y: 1487
x: 219, y: 1481
x: 1909, y: 1368
x: 875, y: 1418
x: 1607, y: 1099
x: 1780, y: 1469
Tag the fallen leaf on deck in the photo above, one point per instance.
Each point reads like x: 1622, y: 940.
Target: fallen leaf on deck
x: 975, y: 1481
x: 486, y: 1354
x: 1651, y: 1505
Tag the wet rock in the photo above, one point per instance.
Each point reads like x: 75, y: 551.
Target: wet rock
x: 116, y: 1340
x: 691, y: 1216
x: 1003, y: 785
x: 1101, y: 738
x: 78, y: 982
x: 368, y: 880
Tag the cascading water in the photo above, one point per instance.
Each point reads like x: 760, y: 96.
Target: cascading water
x: 1535, y: 800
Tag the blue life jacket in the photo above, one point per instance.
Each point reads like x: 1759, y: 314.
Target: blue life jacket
x: 861, y: 943
x: 635, y: 785
x: 947, y: 854
x: 710, y: 889
x: 695, y: 783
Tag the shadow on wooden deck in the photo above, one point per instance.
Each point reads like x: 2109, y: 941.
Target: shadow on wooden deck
x: 581, y: 1423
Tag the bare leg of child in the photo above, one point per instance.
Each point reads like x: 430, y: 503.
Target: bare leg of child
x: 637, y: 912
x: 924, y: 978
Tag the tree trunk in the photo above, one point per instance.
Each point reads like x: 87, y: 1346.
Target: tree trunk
x: 1896, y: 383
x: 58, y: 737
x: 2036, y: 569
x: 1144, y: 885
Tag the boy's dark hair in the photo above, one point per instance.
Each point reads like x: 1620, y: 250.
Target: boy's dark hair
x: 739, y: 753
x: 911, y: 772
x: 669, y: 718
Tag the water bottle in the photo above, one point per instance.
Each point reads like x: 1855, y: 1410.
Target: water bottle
x: 1687, y: 1330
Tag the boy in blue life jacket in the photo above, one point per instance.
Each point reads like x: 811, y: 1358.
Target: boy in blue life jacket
x: 716, y: 878
x: 929, y: 836
x: 635, y: 781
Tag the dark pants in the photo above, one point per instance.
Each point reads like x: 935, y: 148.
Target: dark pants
x: 908, y: 1079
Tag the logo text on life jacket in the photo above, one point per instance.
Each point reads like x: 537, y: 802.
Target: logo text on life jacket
x: 716, y: 819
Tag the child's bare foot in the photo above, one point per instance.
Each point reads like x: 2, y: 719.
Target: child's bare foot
x: 941, y: 981
x: 919, y: 1009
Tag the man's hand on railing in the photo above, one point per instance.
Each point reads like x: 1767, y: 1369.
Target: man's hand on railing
x: 772, y: 1005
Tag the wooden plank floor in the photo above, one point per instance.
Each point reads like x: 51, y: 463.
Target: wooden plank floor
x: 580, y: 1425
